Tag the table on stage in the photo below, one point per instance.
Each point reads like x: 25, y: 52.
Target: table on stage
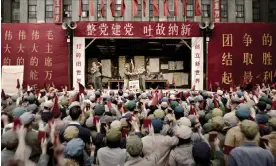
x: 113, y: 84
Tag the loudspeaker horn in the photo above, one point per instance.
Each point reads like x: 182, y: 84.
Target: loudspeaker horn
x: 72, y: 25
x: 211, y: 25
x: 64, y: 25
x: 203, y: 25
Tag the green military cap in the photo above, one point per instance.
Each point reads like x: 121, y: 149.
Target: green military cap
x: 131, y: 105
x: 216, y: 112
x: 113, y: 135
x: 217, y: 123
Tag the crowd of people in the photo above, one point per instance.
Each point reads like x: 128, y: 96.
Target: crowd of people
x: 139, y: 128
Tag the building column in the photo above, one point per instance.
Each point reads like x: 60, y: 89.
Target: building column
x: 231, y: 11
x: 41, y: 7
x: 24, y: 11
x: 75, y: 10
x: 147, y: 11
x: 161, y: 11
x: 198, y: 18
x: 128, y: 13
x: 264, y: 10
x: 180, y: 16
x: 7, y: 12
x: 109, y: 16
x: 248, y: 14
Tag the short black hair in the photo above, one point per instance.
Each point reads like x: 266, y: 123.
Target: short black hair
x: 113, y: 144
x: 75, y: 112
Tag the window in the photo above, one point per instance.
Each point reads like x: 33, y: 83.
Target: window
x: 151, y: 9
x: 171, y: 10
x: 49, y: 9
x: 206, y: 10
x: 15, y: 11
x: 239, y: 11
x: 32, y: 11
x: 190, y: 8
x: 85, y: 8
x: 256, y: 11
x: 67, y: 11
x: 224, y: 10
x: 99, y: 5
x: 118, y: 8
x: 139, y: 11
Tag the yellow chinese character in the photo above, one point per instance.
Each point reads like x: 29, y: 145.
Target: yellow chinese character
x: 7, y: 61
x: 267, y: 39
x: 227, y: 40
x: 48, y: 62
x: 247, y: 39
x: 226, y: 78
x: 20, y: 61
x: 247, y: 76
x: 49, y: 48
x: 35, y: 35
x: 8, y: 35
x: 7, y: 48
x: 247, y: 58
x: 20, y: 48
x: 22, y: 35
x: 34, y: 61
x: 227, y: 59
x: 48, y: 75
x: 50, y: 35
x: 34, y: 48
x: 267, y: 76
x: 267, y: 58
x: 33, y: 75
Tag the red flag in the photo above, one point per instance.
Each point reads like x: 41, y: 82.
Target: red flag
x: 155, y: 8
x: 176, y: 7
x: 144, y: 7
x: 18, y: 84
x: 167, y: 84
x: 3, y: 95
x: 197, y: 8
x: 109, y: 105
x: 76, y: 97
x: 53, y: 85
x: 123, y: 8
x: 80, y: 8
x: 184, y: 7
x: 155, y: 99
x: 45, y: 87
x: 160, y: 95
x: 91, y: 8
x: 210, y: 87
x: 102, y: 8
x: 166, y: 8
x: 24, y: 85
x: 81, y: 89
x: 193, y: 88
x: 112, y: 8
x: 56, y: 110
x: 134, y: 7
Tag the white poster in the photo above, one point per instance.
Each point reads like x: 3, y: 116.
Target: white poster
x: 122, y: 61
x: 168, y: 77
x: 164, y: 66
x: 10, y: 74
x: 171, y: 65
x: 106, y: 68
x: 134, y: 85
x: 197, y: 63
x: 154, y: 65
x: 78, y: 62
x: 178, y: 65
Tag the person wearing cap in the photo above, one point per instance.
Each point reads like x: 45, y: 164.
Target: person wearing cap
x: 182, y: 153
x: 235, y: 137
x: 272, y: 136
x: 112, y: 154
x: 232, y: 105
x: 134, y: 147
x: 9, y: 142
x: 165, y: 143
x: 249, y: 153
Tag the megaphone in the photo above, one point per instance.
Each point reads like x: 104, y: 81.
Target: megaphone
x: 203, y: 25
x: 72, y: 25
x: 211, y: 25
x: 64, y: 25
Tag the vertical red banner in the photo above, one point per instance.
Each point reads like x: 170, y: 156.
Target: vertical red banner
x: 58, y: 14
x: 216, y: 15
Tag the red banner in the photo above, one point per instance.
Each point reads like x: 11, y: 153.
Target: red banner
x: 41, y: 48
x: 239, y: 51
x: 58, y: 11
x: 216, y: 16
x: 137, y: 29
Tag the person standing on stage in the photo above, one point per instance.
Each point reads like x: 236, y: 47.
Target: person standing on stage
x: 142, y: 77
x: 127, y: 75
x: 96, y: 75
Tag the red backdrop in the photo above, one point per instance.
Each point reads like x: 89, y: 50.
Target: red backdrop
x: 41, y: 48
x: 240, y: 50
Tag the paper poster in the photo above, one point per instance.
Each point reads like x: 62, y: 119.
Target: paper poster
x: 10, y: 74
x: 78, y: 62
x: 164, y: 66
x: 180, y: 79
x: 171, y: 65
x: 154, y: 65
x: 139, y: 61
x: 197, y: 63
x: 134, y: 85
x: 122, y: 61
x: 169, y: 77
x: 178, y: 65
x: 106, y: 68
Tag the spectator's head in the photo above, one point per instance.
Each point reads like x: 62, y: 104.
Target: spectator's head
x: 249, y: 129
x: 27, y: 119
x: 235, y: 101
x: 74, y: 150
x: 75, y: 112
x: 10, y: 140
x: 272, y: 124
x: 201, y: 153
x: 70, y: 133
x: 157, y: 125
x: 217, y: 123
x: 178, y: 112
x: 113, y: 138
x: 243, y: 112
x: 184, y: 133
x: 261, y: 106
x: 134, y: 146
